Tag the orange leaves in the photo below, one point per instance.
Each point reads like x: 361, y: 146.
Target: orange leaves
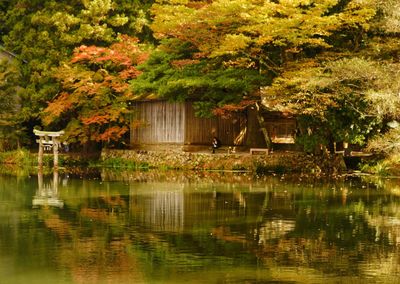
x: 57, y: 107
x: 129, y: 73
x: 84, y: 52
x: 180, y: 64
x: 102, y: 115
x: 112, y: 133
x: 124, y: 53
x: 97, y: 119
x: 119, y: 87
x: 96, y: 91
x: 100, y: 55
x: 228, y: 109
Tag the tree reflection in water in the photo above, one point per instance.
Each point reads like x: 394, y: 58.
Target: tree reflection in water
x: 158, y: 227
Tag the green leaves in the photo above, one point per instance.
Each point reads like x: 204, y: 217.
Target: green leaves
x: 318, y: 59
x: 45, y: 33
x: 207, y: 81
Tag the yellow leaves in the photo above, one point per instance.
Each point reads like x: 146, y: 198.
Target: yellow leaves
x: 232, y: 26
x: 170, y: 19
x: 97, y: 7
x: 296, y: 87
x: 173, y: 2
x: 357, y: 16
x: 296, y: 3
x: 232, y: 44
x: 240, y: 62
x: 290, y: 23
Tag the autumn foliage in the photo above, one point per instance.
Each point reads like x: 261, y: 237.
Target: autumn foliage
x: 227, y: 110
x: 94, y: 102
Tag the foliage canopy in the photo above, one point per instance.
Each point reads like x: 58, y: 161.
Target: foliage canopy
x: 334, y: 63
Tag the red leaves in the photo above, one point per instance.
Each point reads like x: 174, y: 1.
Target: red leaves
x: 227, y: 110
x: 112, y: 133
x: 96, y: 91
x: 124, y: 53
x: 99, y: 55
x: 129, y: 73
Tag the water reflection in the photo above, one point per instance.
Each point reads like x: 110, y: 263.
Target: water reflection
x: 159, y: 210
x: 47, y: 193
x: 164, y: 229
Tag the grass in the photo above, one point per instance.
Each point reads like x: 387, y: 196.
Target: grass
x: 20, y: 157
x: 387, y: 166
x: 121, y: 163
x: 23, y: 157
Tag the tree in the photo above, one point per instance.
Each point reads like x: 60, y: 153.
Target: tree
x: 173, y: 76
x: 345, y: 95
x: 239, y: 37
x: 330, y: 99
x: 45, y: 33
x: 10, y: 129
x: 94, y: 100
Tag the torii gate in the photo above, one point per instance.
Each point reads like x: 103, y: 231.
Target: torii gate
x: 48, y: 138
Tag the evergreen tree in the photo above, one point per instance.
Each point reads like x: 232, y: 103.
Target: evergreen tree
x: 44, y: 34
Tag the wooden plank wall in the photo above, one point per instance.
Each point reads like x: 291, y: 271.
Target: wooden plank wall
x: 233, y: 131
x: 162, y: 122
x: 200, y: 131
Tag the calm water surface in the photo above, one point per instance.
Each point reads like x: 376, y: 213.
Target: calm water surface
x: 151, y: 228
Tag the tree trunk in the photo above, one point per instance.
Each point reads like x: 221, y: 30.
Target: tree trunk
x: 264, y: 130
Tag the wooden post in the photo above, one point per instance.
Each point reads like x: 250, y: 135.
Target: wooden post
x: 55, y: 183
x: 40, y: 154
x: 40, y: 182
x: 55, y: 152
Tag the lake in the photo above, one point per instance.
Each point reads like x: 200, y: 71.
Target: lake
x: 162, y: 227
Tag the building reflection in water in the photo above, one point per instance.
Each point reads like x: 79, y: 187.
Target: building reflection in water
x: 47, y: 192
x: 167, y: 207
x: 162, y: 210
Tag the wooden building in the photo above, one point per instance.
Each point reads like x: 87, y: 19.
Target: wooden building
x: 156, y: 122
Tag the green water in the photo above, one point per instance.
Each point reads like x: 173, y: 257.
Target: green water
x: 197, y: 228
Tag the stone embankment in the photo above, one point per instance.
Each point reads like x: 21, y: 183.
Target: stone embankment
x: 258, y: 163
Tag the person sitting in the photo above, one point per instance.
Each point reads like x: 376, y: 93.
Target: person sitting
x: 215, y: 144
